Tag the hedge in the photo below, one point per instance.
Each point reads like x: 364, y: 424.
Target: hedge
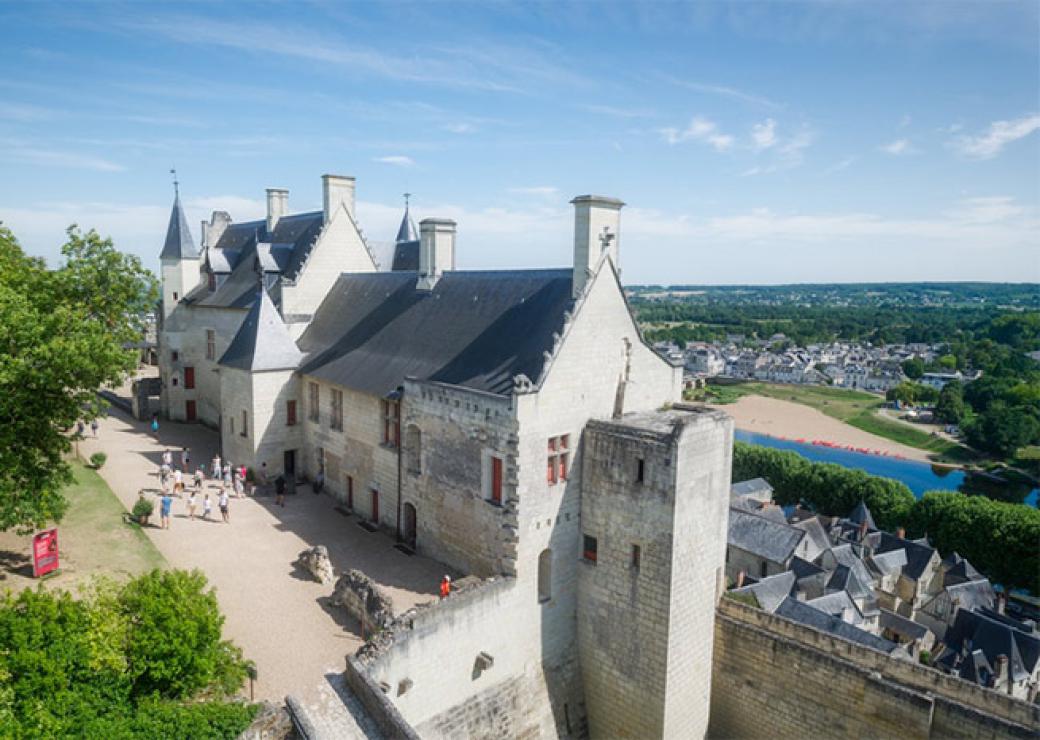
x: 1000, y: 539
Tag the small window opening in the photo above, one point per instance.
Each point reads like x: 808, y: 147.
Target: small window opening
x: 640, y: 470
x: 637, y: 556
x: 589, y: 549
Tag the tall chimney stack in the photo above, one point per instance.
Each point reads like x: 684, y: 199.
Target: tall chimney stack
x: 436, y: 250
x: 277, y: 206
x: 337, y: 190
x: 597, y: 229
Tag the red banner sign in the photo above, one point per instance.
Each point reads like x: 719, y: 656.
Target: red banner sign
x: 45, y: 552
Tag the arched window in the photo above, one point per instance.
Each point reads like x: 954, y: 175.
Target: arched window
x: 545, y: 575
x: 413, y: 449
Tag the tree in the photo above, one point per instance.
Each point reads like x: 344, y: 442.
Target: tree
x: 1002, y: 429
x: 64, y: 333
x: 913, y: 368
x: 950, y: 407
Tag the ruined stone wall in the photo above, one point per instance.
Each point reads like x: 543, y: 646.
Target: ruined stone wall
x: 645, y: 621
x: 449, y: 436
x: 776, y: 678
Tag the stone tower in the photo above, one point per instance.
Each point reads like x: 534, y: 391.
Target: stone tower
x: 655, y: 492
x: 181, y: 262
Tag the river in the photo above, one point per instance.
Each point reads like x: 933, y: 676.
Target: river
x: 918, y: 476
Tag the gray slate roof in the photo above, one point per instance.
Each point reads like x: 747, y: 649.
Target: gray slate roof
x: 766, y: 538
x: 862, y: 514
x: 770, y: 591
x: 178, y: 244
x: 918, y: 555
x: 994, y: 635
x: 407, y: 232
x: 750, y: 487
x: 901, y: 625
x: 263, y: 341
x: 798, y: 611
x: 474, y: 329
x: 406, y: 256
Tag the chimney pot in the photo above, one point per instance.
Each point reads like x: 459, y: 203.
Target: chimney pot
x: 436, y: 250
x: 337, y: 190
x: 277, y: 206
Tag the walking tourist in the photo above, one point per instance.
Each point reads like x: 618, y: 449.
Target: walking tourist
x: 167, y: 458
x: 191, y: 505
x: 80, y: 429
x: 178, y: 480
x: 185, y: 458
x: 155, y: 425
x: 200, y: 475
x: 223, y: 502
x: 445, y: 586
x: 279, y: 491
x: 164, y: 510
x: 207, y: 506
x: 94, y: 427
x: 216, y: 467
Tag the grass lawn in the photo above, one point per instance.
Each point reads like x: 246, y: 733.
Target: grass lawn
x: 858, y: 409
x: 93, y: 540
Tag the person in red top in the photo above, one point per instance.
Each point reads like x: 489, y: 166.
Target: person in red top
x: 445, y: 586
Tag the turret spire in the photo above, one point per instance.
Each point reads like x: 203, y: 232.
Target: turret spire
x: 179, y: 244
x: 407, y: 231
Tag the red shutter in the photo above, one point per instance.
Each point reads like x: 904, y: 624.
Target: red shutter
x: 496, y: 480
x: 189, y: 377
x: 375, y: 506
x: 290, y: 413
x: 350, y: 492
x: 189, y: 410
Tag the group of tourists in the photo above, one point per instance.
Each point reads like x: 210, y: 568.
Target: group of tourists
x: 173, y: 482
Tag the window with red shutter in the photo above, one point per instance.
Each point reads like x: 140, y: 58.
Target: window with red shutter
x: 496, y: 480
x: 189, y: 377
x: 290, y: 413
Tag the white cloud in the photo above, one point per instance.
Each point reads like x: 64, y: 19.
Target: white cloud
x: 398, y: 160
x: 898, y: 148
x: 726, y: 92
x: 56, y: 158
x: 999, y: 135
x: 986, y: 210
x: 700, y: 129
x: 764, y: 134
x: 616, y: 112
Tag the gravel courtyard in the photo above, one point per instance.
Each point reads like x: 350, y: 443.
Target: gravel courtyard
x: 279, y: 616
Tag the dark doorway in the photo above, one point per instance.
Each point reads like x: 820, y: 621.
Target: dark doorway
x: 375, y: 506
x: 189, y: 410
x: 289, y: 464
x: 409, y: 525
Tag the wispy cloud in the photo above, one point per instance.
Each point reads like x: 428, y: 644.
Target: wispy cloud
x: 1000, y: 134
x: 24, y: 112
x: 617, y: 112
x: 700, y: 129
x: 898, y: 148
x: 460, y: 128
x: 841, y: 164
x: 55, y: 158
x: 725, y: 91
x: 398, y: 160
x: 764, y: 134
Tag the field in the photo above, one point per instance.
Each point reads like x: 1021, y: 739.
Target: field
x: 852, y: 407
x: 93, y: 539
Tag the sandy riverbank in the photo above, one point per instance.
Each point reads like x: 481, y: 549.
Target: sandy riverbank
x: 764, y: 415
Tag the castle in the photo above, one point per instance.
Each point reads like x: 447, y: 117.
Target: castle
x: 512, y: 424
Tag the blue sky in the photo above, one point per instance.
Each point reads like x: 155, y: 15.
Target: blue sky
x: 753, y: 142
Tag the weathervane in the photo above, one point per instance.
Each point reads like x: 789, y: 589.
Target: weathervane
x: 406, y: 197
x: 176, y: 184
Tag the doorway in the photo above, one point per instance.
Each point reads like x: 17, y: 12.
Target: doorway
x: 189, y: 410
x: 409, y: 525
x: 375, y: 506
x: 289, y: 464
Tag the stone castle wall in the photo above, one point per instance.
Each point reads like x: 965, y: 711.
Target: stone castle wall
x: 775, y: 678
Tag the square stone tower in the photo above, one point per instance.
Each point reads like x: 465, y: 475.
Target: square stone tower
x: 655, y: 492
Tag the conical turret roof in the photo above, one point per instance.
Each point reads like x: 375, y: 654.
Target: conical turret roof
x: 263, y: 341
x: 407, y: 231
x: 179, y: 245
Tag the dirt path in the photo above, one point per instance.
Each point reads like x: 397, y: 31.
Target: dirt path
x: 279, y: 616
x: 772, y: 416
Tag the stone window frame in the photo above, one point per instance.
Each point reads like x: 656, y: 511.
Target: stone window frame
x: 557, y: 467
x: 336, y: 410
x: 589, y: 548
x: 487, y: 484
x: 314, y: 402
x: 413, y: 449
x: 211, y: 344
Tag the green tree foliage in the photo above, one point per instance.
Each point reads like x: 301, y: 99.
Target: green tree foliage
x: 1001, y: 539
x: 950, y: 408
x: 72, y: 667
x: 1003, y: 428
x: 913, y: 368
x: 912, y: 393
x: 825, y: 487
x: 63, y: 334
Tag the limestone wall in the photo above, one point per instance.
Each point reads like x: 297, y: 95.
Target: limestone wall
x: 775, y: 678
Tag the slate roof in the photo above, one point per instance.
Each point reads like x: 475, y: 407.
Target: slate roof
x: 770, y: 591
x: 846, y: 555
x: 749, y: 487
x: 987, y: 632
x: 407, y: 232
x: 837, y: 604
x: 973, y: 595
x: 263, y: 341
x: 178, y: 244
x: 798, y: 611
x: 961, y: 572
x: 917, y: 555
x: 901, y: 625
x: 474, y: 329
x: 862, y: 514
x: 406, y: 256
x: 766, y: 538
x: 889, y: 563
x: 815, y: 531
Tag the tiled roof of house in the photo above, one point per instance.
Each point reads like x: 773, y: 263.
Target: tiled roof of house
x: 768, y: 539
x: 178, y: 244
x: 263, y: 341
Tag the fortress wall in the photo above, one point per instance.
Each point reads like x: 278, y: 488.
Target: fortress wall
x: 775, y: 678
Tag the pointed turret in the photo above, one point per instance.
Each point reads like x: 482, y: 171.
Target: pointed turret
x: 407, y: 231
x: 263, y: 341
x: 179, y: 244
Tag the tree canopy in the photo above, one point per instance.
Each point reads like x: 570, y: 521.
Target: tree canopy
x: 64, y: 333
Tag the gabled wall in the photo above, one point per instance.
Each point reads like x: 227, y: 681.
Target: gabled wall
x: 339, y: 249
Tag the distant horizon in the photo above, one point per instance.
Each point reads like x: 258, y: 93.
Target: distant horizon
x: 754, y: 142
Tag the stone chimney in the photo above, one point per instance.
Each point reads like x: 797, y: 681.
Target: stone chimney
x: 597, y: 229
x: 218, y: 223
x: 204, y: 238
x: 1000, y: 673
x: 436, y: 250
x: 1001, y: 602
x: 337, y: 190
x: 740, y: 579
x: 277, y: 206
